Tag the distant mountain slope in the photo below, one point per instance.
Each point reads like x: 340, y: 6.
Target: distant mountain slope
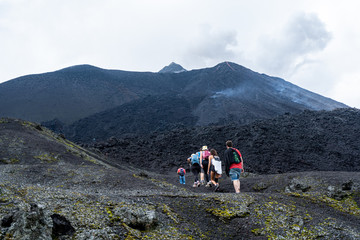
x: 234, y: 92
x: 152, y: 113
x: 224, y: 93
x: 74, y: 93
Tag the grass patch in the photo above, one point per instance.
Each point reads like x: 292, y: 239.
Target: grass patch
x: 347, y: 205
x: 47, y: 158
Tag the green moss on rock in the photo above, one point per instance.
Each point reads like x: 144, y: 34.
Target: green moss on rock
x: 347, y: 205
x: 226, y: 208
x: 10, y: 161
x: 47, y: 157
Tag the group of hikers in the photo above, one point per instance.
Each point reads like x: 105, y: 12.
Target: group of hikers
x: 208, y: 165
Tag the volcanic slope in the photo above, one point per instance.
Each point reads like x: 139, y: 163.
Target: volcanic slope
x: 51, y: 188
x: 220, y: 95
x: 76, y: 92
x: 311, y: 140
x: 229, y: 91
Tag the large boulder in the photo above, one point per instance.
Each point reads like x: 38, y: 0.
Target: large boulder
x: 61, y: 226
x: 298, y: 185
x: 28, y: 223
x: 139, y: 217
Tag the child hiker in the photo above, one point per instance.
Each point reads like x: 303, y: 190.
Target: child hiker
x: 181, y: 172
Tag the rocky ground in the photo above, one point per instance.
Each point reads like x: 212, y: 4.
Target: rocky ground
x: 51, y: 188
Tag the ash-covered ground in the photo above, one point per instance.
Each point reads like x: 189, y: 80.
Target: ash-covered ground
x: 50, y: 188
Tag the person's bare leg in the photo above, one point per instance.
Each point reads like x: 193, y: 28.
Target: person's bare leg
x: 212, y: 177
x: 237, y: 186
x: 201, y: 177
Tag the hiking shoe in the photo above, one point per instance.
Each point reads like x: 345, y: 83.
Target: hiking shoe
x: 216, y: 187
x: 208, y: 185
x: 202, y: 182
x: 196, y: 184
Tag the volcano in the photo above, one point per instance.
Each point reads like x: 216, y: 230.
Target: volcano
x: 94, y: 103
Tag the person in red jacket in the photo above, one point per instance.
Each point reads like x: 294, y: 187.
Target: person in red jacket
x: 181, y: 172
x: 233, y: 165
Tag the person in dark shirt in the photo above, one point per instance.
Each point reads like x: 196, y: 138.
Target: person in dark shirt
x: 233, y: 169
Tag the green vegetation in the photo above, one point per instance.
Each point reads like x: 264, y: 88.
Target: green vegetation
x: 284, y: 221
x: 170, y: 213
x: 3, y: 120
x: 226, y: 208
x: 169, y: 233
x: 47, y: 158
x: 347, y: 205
x: 10, y: 161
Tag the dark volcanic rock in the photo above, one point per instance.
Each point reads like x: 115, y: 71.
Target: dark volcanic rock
x: 55, y: 125
x: 7, y: 221
x: 29, y: 223
x: 321, y: 141
x: 61, y: 226
x: 142, y: 218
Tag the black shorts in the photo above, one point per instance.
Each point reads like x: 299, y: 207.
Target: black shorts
x: 195, y: 168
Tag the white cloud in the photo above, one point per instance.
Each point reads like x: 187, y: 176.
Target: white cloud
x: 347, y: 90
x: 313, y: 44
x: 293, y: 48
x: 211, y: 46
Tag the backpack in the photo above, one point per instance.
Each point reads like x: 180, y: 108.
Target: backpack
x: 236, y: 156
x: 181, y: 172
x: 217, y: 158
x: 206, y: 154
x: 195, y: 159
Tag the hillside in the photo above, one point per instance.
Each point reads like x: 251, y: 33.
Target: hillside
x: 221, y: 94
x: 74, y: 93
x: 152, y: 113
x: 51, y: 188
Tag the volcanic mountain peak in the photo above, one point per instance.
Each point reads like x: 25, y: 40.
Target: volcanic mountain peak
x: 229, y: 66
x: 80, y: 68
x: 173, y: 68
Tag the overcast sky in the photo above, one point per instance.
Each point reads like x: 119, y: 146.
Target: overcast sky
x: 313, y: 44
